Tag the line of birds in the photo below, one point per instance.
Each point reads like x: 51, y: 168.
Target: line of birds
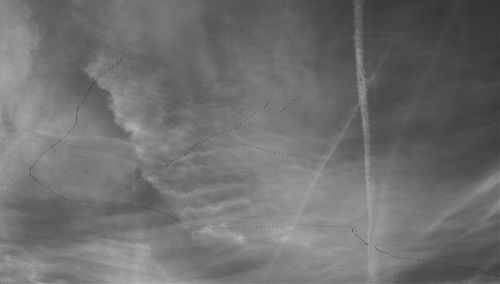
x: 290, y: 103
x: 377, y: 248
x: 257, y: 227
x: 280, y: 226
x: 267, y: 150
x: 191, y: 149
x: 195, y: 146
x: 82, y: 202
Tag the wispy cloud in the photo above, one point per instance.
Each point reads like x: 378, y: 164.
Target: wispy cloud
x: 226, y: 147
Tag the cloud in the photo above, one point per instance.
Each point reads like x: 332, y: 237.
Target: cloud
x: 223, y: 73
x: 19, y: 39
x: 167, y: 129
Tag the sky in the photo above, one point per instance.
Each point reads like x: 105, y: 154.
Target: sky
x: 222, y: 142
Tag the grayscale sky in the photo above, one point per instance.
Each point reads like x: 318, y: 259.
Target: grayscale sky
x: 227, y: 145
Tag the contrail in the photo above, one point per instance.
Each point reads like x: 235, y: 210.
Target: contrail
x: 332, y: 149
x: 313, y: 184
x: 489, y: 184
x: 481, y: 271
x: 363, y: 103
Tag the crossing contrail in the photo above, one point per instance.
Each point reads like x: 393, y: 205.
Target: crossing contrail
x: 313, y: 184
x: 362, y: 104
